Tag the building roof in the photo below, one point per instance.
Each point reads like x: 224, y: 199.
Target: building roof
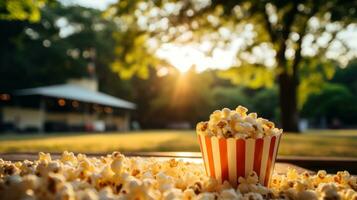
x: 74, y: 92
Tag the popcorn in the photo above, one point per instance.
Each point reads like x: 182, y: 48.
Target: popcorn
x: 230, y: 194
x: 68, y: 158
x: 66, y: 192
x: 45, y: 157
x: 87, y: 194
x: 307, y: 194
x: 328, y: 191
x: 30, y: 182
x: 189, y: 194
x: 226, y: 113
x: 207, y: 196
x: 210, y: 184
x: 238, y: 124
x: 243, y: 186
x: 348, y: 194
x: 118, y: 177
x: 242, y: 111
x: 292, y: 174
x: 173, y: 194
x: 252, y: 178
x: 197, y: 187
x: 106, y: 194
x: 54, y: 166
x: 252, y: 196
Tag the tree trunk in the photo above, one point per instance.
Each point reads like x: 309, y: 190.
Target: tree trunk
x: 288, y: 102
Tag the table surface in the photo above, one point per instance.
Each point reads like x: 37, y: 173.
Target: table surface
x: 280, y: 167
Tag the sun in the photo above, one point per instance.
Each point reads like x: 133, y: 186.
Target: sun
x: 182, y: 64
x: 184, y: 57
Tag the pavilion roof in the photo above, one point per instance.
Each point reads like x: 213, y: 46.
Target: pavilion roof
x: 75, y: 92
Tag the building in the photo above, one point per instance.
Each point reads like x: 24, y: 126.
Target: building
x: 76, y: 106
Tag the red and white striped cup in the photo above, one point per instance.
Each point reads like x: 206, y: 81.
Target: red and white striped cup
x: 230, y: 158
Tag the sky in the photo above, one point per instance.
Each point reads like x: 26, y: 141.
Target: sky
x: 97, y: 4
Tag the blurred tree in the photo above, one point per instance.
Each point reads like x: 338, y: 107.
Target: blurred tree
x: 334, y: 103
x: 266, y: 103
x: 230, y: 97
x: 144, y: 91
x: 58, y: 47
x: 347, y: 76
x: 263, y: 101
x: 164, y: 100
x: 313, y: 74
x: 274, y: 38
x: 132, y: 55
x: 33, y: 54
x: 178, y: 102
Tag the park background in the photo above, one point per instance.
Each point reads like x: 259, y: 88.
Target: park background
x: 292, y: 62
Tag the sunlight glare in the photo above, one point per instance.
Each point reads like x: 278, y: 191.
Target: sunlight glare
x: 185, y: 57
x: 163, y: 71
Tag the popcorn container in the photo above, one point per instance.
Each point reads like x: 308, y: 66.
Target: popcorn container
x: 231, y: 158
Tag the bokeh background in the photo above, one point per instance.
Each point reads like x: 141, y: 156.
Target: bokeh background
x: 98, y: 76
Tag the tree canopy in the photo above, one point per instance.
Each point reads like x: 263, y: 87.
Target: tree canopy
x: 58, y: 47
x: 273, y: 41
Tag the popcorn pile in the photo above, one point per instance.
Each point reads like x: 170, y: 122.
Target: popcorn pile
x: 133, y: 178
x: 237, y: 123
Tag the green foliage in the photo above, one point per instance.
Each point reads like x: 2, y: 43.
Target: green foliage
x: 230, y: 97
x: 313, y: 74
x: 132, y: 57
x: 276, y: 38
x: 347, y: 76
x: 334, y: 101
x: 183, y: 97
x: 191, y: 97
x: 266, y: 103
x: 44, y: 55
x: 273, y: 24
x: 251, y: 76
x: 21, y: 10
x: 263, y: 101
x: 24, y: 57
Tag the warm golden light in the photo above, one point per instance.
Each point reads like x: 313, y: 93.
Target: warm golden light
x: 5, y: 97
x: 163, y: 71
x: 185, y: 57
x: 108, y: 110
x: 61, y: 102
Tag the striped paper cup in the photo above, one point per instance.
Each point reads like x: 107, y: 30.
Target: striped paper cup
x: 230, y: 158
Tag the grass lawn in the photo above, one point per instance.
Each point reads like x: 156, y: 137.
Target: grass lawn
x: 313, y: 143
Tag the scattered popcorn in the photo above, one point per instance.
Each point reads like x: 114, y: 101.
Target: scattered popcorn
x: 230, y: 194
x: 238, y: 124
x: 116, y: 177
x: 252, y: 196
